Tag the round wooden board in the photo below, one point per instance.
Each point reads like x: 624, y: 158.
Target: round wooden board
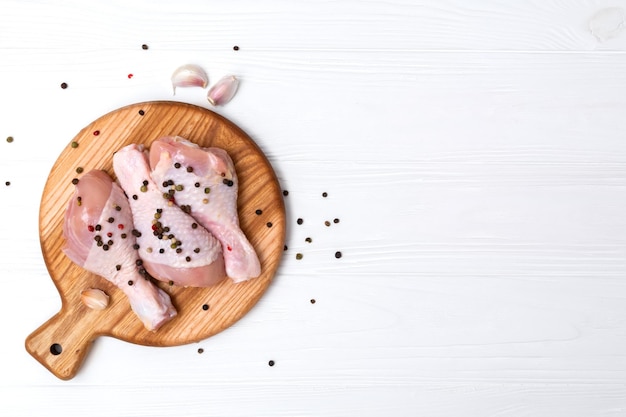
x: 71, y: 331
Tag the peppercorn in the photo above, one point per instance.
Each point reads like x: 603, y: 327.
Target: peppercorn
x: 300, y: 221
x: 189, y: 169
x: 179, y: 187
x: 79, y: 170
x: 135, y: 197
x: 75, y: 181
x: 110, y: 219
x: 197, y: 185
x: 130, y: 282
x: 298, y: 256
x: 177, y: 165
x: 228, y: 182
x: 194, y: 225
x: 207, y: 190
x: 135, y: 246
x: 143, y: 188
x: 259, y: 212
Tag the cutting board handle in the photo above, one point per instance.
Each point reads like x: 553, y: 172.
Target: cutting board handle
x: 61, y: 344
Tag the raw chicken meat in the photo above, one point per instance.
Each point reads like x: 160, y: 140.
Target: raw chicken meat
x: 172, y: 246
x: 205, y: 185
x: 97, y: 230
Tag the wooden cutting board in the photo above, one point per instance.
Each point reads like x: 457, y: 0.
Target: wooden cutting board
x: 62, y: 343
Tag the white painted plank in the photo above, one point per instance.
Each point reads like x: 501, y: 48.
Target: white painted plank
x: 314, y: 25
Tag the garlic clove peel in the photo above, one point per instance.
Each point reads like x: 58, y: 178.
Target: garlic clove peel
x: 94, y: 298
x: 223, y: 91
x: 189, y: 75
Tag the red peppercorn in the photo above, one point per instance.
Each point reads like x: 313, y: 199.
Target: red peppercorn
x: 90, y: 228
x: 120, y: 226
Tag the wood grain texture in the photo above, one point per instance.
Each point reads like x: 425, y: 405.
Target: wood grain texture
x: 76, y: 326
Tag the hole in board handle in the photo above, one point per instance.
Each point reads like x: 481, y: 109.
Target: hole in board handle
x: 56, y: 349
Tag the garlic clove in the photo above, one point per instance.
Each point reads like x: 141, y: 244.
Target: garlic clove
x: 94, y: 298
x: 223, y: 91
x: 189, y: 75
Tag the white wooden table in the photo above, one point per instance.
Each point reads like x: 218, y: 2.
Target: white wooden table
x: 473, y: 152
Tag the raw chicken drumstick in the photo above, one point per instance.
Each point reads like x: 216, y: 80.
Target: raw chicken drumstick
x: 204, y: 183
x: 97, y: 230
x: 171, y: 244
